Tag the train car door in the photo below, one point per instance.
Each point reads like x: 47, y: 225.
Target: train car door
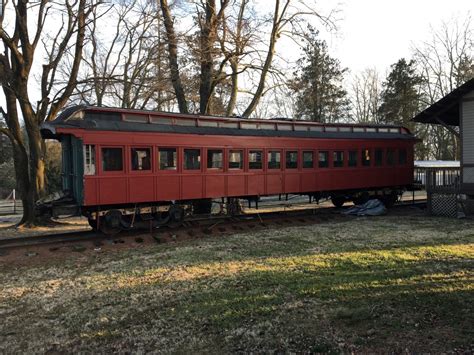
x: 72, y: 166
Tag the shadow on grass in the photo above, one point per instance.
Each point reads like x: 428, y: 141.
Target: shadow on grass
x: 319, y: 291
x: 419, y: 305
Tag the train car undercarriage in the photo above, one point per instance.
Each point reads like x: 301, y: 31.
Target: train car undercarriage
x: 114, y: 219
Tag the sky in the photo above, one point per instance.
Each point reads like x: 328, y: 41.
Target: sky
x: 376, y: 34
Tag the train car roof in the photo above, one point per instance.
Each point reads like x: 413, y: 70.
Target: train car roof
x: 126, y: 120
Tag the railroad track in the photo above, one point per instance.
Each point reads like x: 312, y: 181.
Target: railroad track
x: 191, y: 228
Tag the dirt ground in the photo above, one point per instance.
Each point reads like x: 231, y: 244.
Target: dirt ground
x: 8, y: 230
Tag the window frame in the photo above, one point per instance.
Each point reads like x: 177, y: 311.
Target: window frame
x: 327, y: 151
x: 247, y: 157
x: 112, y: 172
x: 221, y: 169
x: 378, y: 163
x: 371, y: 158
x: 167, y: 171
x: 228, y: 151
x: 312, y: 161
x: 266, y: 159
x: 394, y: 157
x: 405, y: 150
x: 356, y: 151
x: 183, y: 161
x: 297, y: 167
x: 333, y: 165
x: 96, y: 168
x: 148, y: 171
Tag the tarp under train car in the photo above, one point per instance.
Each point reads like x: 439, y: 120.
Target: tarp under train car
x: 370, y: 208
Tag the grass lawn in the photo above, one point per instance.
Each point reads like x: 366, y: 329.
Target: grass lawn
x: 384, y: 284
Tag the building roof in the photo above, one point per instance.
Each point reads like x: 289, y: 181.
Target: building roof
x: 446, y: 109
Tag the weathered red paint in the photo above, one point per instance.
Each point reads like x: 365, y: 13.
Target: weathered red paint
x: 129, y: 186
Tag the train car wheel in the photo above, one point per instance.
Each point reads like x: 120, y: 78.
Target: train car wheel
x: 93, y: 224
x: 111, y: 222
x: 202, y: 207
x: 233, y: 207
x: 338, y: 201
x: 361, y: 199
x: 176, y: 215
x: 390, y: 200
x: 162, y: 218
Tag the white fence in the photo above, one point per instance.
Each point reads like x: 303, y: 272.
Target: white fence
x: 11, y: 205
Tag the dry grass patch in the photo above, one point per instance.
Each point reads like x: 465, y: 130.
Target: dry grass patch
x: 370, y: 284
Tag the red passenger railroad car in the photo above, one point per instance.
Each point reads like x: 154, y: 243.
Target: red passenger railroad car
x: 123, y: 166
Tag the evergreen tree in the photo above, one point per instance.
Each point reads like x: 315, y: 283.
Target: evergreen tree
x: 401, y: 97
x: 318, y: 84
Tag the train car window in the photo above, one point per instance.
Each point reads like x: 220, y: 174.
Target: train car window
x: 270, y: 126
x: 168, y: 158
x: 203, y: 123
x: 366, y: 157
x: 185, y: 122
x: 89, y: 159
x: 308, y: 158
x: 141, y: 159
x: 390, y: 156
x: 323, y: 159
x: 236, y: 159
x: 214, y: 158
x: 378, y: 157
x: 338, y: 159
x: 229, y: 124
x: 402, y: 157
x: 135, y: 118
x: 112, y: 159
x: 248, y: 125
x: 284, y: 127
x: 352, y: 158
x: 161, y: 120
x: 274, y: 158
x: 255, y: 159
x: 192, y: 159
x: 292, y: 159
x: 301, y: 128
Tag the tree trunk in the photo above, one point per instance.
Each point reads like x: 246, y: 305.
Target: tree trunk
x: 268, y: 61
x: 173, y: 57
x: 20, y: 160
x: 234, y: 88
x: 207, y: 40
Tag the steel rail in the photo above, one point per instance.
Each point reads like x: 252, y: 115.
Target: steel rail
x: 190, y: 224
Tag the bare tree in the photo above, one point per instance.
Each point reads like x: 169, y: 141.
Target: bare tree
x: 366, y: 88
x: 447, y: 59
x: 445, y: 62
x: 20, y: 40
x: 173, y: 56
x: 125, y: 68
x: 223, y: 43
